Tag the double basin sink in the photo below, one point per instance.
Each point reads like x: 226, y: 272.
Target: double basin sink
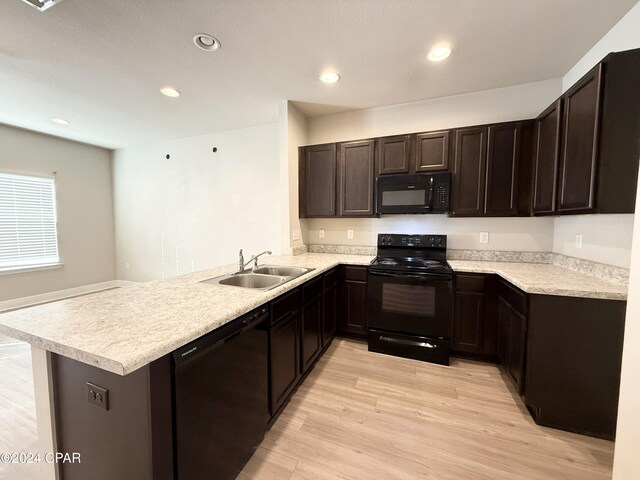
x: 261, y: 278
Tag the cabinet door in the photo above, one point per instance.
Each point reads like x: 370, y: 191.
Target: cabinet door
x: 311, y: 337
x: 329, y: 313
x: 503, y: 152
x: 547, y: 154
x: 356, y: 162
x: 469, y: 171
x: 432, y: 152
x: 504, y: 331
x: 468, y: 322
x: 580, y: 126
x: 517, y: 348
x: 285, y: 370
x: 355, y: 299
x: 394, y: 154
x: 318, y: 181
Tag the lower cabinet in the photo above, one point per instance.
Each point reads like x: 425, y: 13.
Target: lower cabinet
x: 311, y: 334
x: 475, y: 325
x: 512, y: 332
x: 329, y: 305
x: 353, y: 301
x: 284, y: 344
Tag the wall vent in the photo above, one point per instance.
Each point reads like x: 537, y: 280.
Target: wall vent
x: 42, y: 5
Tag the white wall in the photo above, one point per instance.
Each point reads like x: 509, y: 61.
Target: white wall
x: 524, y: 234
x: 605, y: 238
x: 293, y: 132
x: 201, y: 206
x: 503, y: 104
x: 85, y: 210
x: 498, y: 105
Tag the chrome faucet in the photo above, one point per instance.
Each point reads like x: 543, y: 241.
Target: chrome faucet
x: 242, y: 265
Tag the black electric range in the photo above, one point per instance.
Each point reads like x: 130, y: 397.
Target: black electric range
x: 411, y: 297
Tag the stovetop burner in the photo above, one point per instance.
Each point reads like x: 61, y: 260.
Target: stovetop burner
x: 412, y: 253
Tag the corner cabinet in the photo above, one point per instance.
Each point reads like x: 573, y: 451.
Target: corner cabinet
x: 356, y: 176
x: 512, y: 332
x: 587, y: 147
x: 469, y: 164
x: 317, y: 171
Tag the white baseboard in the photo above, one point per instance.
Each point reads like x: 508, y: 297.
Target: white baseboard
x: 61, y: 294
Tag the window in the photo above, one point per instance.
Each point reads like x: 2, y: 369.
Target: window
x: 28, y: 236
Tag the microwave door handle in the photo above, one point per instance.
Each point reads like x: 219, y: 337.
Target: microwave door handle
x: 429, y: 205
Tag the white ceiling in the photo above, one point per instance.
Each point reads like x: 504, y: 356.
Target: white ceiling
x: 100, y: 63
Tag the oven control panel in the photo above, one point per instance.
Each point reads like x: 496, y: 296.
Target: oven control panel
x: 414, y: 241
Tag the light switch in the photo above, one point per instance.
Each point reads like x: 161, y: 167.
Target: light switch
x: 484, y: 237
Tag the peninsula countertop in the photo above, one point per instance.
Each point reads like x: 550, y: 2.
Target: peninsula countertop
x: 123, y: 329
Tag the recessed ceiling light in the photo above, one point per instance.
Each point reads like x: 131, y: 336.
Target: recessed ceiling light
x: 329, y: 77
x: 206, y: 42
x: 59, y: 121
x: 439, y: 53
x: 170, y: 92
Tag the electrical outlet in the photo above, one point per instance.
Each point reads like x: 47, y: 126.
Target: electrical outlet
x: 295, y: 235
x: 98, y: 396
x: 127, y: 265
x: 578, y: 241
x: 350, y: 234
x: 321, y: 233
x: 484, y: 237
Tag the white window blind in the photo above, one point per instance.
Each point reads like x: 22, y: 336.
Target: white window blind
x: 28, y: 236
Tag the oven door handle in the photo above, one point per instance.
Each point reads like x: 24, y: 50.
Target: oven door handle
x: 410, y: 343
x: 421, y: 276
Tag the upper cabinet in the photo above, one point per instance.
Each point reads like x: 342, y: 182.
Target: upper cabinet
x: 415, y: 153
x: 337, y: 180
x: 356, y: 177
x: 318, y: 180
x: 587, y: 146
x: 491, y: 169
x: 547, y: 153
x: 580, y: 131
x: 394, y: 154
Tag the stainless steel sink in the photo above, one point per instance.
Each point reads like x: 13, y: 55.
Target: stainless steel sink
x: 282, y: 271
x: 262, y: 278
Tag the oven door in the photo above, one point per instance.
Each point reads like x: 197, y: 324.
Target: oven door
x: 419, y: 304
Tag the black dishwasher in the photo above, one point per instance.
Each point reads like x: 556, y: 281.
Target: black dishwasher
x: 221, y: 398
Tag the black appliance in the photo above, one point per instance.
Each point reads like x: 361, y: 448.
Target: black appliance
x: 221, y: 398
x: 425, y: 193
x: 411, y: 297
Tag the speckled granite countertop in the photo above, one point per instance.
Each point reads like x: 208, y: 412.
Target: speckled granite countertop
x: 124, y: 329
x: 546, y: 279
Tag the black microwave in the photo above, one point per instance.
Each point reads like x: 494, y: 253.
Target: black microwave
x: 425, y: 193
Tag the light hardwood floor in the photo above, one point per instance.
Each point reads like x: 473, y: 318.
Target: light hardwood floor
x: 361, y: 415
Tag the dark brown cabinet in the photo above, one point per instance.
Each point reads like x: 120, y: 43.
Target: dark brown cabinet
x: 547, y: 152
x: 503, y: 154
x: 469, y: 171
x: 512, y: 332
x: 284, y: 341
x: 597, y: 159
x: 394, y: 154
x: 330, y: 306
x: 491, y: 171
x: 356, y: 163
x: 311, y: 332
x: 475, y: 325
x: 353, y: 318
x: 581, y: 129
x: 318, y: 181
x: 432, y: 151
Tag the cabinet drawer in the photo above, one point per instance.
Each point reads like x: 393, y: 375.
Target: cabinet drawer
x: 514, y: 297
x: 470, y: 283
x: 284, y: 305
x: 331, y: 278
x: 311, y: 290
x: 355, y: 273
